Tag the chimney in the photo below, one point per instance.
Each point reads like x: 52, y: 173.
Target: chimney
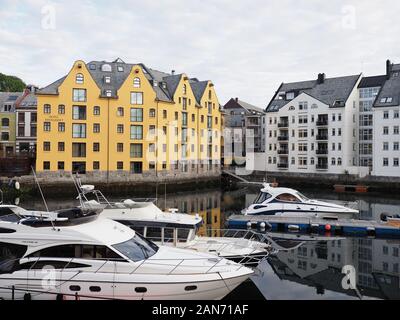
x: 321, y: 78
x: 236, y: 99
x: 388, y: 68
x: 172, y: 72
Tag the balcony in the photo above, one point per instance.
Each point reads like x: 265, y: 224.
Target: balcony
x: 322, y: 137
x: 322, y: 166
x: 283, y: 138
x: 283, y: 165
x: 322, y: 122
x: 283, y: 124
x: 322, y: 151
x: 283, y: 151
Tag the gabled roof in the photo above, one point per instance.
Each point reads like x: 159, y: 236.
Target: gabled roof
x: 371, y: 82
x: 164, y: 84
x: 328, y: 92
x: 9, y: 98
x: 198, y: 88
x: 235, y: 103
x: 390, y: 89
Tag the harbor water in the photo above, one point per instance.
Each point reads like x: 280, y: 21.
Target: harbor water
x: 318, y: 268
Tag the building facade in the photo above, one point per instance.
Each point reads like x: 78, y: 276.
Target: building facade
x: 386, y: 136
x: 7, y: 122
x: 310, y: 126
x: 244, y: 130
x: 114, y: 118
x: 26, y: 122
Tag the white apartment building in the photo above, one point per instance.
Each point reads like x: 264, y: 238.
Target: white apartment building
x: 386, y: 139
x: 311, y: 127
x: 26, y: 122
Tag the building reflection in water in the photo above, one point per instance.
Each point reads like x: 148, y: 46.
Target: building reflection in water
x: 319, y: 264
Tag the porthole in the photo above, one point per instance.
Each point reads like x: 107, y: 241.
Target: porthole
x: 95, y: 289
x: 75, y: 288
x: 190, y: 288
x: 140, y: 289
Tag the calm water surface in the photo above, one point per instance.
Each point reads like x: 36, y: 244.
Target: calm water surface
x: 311, y: 271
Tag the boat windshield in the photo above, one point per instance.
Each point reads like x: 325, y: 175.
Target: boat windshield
x: 137, y: 248
x: 262, y: 197
x: 301, y: 196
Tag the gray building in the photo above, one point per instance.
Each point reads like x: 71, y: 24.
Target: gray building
x: 247, y: 125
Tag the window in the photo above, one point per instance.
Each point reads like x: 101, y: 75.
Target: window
x: 107, y: 79
x: 120, y: 128
x: 61, y: 109
x: 46, y: 126
x: 396, y: 130
x: 136, y: 82
x: 46, y: 146
x: 136, y: 167
x: 164, y: 114
x: 137, y: 248
x: 396, y: 114
x: 136, y: 115
x: 96, y: 127
x: 136, y: 97
x: 120, y: 147
x: 339, y: 161
x: 5, y: 122
x: 79, y: 78
x: 96, y: 110
x: 386, y: 146
x: 396, y: 146
x: 136, y: 150
x: 61, y: 127
x: 47, y: 108
x: 303, y: 105
x: 184, y: 89
x: 184, y: 118
x: 136, y: 132
x: 152, y: 165
x: 385, y: 162
x: 120, y: 68
x: 96, y: 165
x: 60, y: 165
x: 386, y: 115
x: 61, y: 146
x: 46, y: 165
x: 78, y: 150
x: 395, y: 162
x: 120, y: 112
x: 303, y: 133
x: 385, y: 130
x: 79, y: 112
x: 152, y: 147
x: 289, y: 95
x: 152, y: 113
x: 303, y: 119
x: 78, y: 130
x: 96, y: 147
x: 79, y: 167
x: 120, y: 165
x: 333, y: 161
x: 152, y: 129
x: 79, y: 95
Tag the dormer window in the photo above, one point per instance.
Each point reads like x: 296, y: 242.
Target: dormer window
x: 290, y: 96
x: 107, y: 79
x: 136, y: 82
x: 108, y: 93
x: 120, y: 68
x: 155, y: 83
x: 389, y: 100
x: 164, y: 85
x: 383, y: 100
x: 395, y: 74
x: 106, y: 68
x: 92, y: 66
x: 79, y: 78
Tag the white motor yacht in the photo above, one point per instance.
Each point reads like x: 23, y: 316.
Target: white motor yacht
x: 290, y: 202
x: 103, y: 259
x: 176, y: 229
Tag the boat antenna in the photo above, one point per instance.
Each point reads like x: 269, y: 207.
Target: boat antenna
x: 40, y: 189
x: 43, y: 198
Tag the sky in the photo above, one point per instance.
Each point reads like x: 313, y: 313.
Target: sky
x: 247, y: 48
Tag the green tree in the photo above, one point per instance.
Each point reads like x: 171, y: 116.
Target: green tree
x: 11, y: 83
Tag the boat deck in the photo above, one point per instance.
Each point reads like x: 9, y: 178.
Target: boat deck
x: 306, y: 225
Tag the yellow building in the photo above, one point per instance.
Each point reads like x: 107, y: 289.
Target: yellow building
x: 113, y: 119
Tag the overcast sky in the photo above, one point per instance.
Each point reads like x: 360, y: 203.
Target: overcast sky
x: 247, y: 48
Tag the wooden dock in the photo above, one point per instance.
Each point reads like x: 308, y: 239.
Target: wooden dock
x: 327, y: 227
